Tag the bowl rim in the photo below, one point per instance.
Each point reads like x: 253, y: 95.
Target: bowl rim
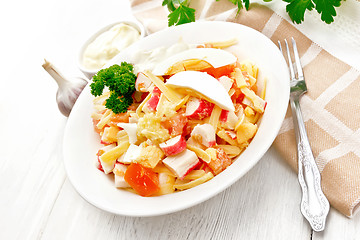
x: 203, y: 189
x: 91, y: 72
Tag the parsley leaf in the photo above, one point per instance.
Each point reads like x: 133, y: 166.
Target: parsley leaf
x: 239, y: 4
x: 118, y: 104
x: 171, y: 4
x: 327, y: 9
x: 247, y: 4
x: 296, y: 9
x: 121, y: 82
x: 181, y: 15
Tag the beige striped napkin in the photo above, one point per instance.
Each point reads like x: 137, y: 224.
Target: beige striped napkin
x: 331, y: 108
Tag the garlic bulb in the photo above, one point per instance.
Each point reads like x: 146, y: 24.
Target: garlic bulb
x: 69, y: 89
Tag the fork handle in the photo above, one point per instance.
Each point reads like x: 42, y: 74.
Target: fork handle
x: 314, y: 205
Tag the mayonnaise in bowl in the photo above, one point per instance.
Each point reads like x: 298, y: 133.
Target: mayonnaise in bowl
x: 106, y: 44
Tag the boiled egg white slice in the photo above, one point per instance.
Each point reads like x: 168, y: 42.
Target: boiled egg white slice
x: 215, y: 57
x: 130, y: 129
x: 204, y: 84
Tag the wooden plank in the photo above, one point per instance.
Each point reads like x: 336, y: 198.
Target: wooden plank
x: 30, y: 181
x: 339, y: 227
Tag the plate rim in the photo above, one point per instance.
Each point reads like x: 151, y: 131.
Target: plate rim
x: 200, y: 199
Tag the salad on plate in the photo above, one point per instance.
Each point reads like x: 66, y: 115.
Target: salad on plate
x: 178, y: 122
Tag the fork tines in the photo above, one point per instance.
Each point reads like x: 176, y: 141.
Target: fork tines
x: 298, y: 70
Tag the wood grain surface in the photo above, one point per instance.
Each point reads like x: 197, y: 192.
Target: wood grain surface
x: 38, y: 201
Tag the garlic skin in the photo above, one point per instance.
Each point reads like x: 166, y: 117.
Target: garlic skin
x: 69, y: 89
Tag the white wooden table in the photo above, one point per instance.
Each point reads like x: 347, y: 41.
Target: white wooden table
x: 37, y: 201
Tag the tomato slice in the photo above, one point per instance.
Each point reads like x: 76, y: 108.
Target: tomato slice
x: 220, y: 71
x: 143, y: 180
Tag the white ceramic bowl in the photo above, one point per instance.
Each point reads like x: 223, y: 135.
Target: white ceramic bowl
x: 81, y: 142
x: 89, y: 73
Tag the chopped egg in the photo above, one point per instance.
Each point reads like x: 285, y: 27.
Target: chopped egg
x: 131, y: 154
x: 204, y: 84
x: 130, y: 129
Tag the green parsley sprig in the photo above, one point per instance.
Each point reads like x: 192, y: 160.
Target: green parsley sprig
x: 121, y: 82
x: 181, y: 13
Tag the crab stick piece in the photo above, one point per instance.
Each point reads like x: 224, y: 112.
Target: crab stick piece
x: 119, y: 173
x: 197, y: 108
x: 143, y: 83
x: 228, y: 119
x: 205, y: 134
x: 152, y: 103
x: 182, y: 163
x: 173, y: 146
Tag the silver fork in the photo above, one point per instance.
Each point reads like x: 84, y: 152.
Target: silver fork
x: 314, y: 205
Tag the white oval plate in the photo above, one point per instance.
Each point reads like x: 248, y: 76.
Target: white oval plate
x: 81, y: 143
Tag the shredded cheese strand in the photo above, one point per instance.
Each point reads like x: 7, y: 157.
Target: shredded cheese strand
x: 169, y: 93
x: 194, y: 183
x: 214, y: 117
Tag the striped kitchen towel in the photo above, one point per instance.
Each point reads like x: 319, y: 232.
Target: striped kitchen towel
x: 331, y: 108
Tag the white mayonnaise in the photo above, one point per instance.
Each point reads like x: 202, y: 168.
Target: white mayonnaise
x: 108, y: 44
x: 148, y: 60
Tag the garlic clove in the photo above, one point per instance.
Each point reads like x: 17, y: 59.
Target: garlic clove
x: 69, y: 89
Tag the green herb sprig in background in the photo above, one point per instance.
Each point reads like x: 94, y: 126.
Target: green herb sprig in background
x: 181, y: 13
